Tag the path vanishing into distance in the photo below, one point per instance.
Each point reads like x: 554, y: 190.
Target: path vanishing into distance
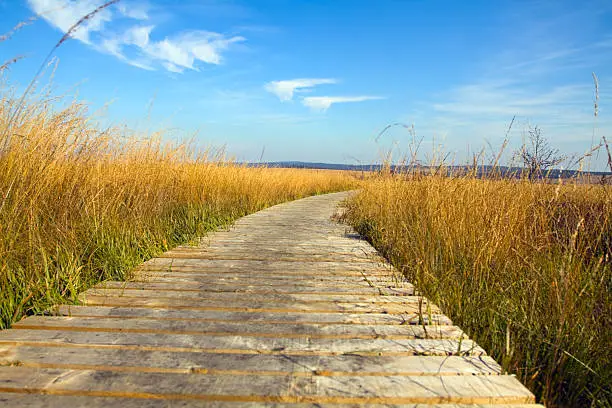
x: 286, y: 309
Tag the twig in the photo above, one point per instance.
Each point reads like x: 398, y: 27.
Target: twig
x: 11, y: 62
x: 18, y: 27
x: 595, y: 111
x: 6, y: 134
x: 605, y: 143
x: 389, y: 126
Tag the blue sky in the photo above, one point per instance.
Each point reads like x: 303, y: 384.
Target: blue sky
x: 317, y: 80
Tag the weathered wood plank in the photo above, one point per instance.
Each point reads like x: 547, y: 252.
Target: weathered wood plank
x: 271, y: 265
x: 240, y: 344
x: 63, y: 401
x: 256, y: 297
x: 279, y: 248
x: 274, y: 279
x: 255, y: 388
x: 387, y: 286
x: 271, y: 273
x: 279, y: 276
x: 262, y: 306
x: 245, y: 364
x: 241, y: 328
x: 266, y: 277
x: 261, y: 289
x: 253, y: 316
x: 279, y: 273
x: 321, y: 258
x: 340, y: 245
x: 226, y: 285
x: 364, y: 253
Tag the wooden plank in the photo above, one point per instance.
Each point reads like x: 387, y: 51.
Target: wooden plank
x: 283, y: 248
x: 274, y: 265
x: 245, y: 239
x: 284, y: 251
x: 245, y: 364
x: 219, y: 283
x: 365, y: 262
x: 270, y: 273
x: 252, y: 316
x: 239, y: 344
x: 262, y: 289
x: 297, y: 298
x: 168, y: 281
x: 322, y: 258
x: 276, y: 247
x: 262, y: 306
x: 265, y: 274
x: 63, y: 401
x: 386, y: 286
x: 231, y: 285
x: 234, y: 251
x: 240, y: 328
x: 392, y: 389
x: 276, y: 279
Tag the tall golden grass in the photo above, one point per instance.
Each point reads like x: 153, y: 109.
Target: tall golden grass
x: 79, y: 205
x: 523, y: 267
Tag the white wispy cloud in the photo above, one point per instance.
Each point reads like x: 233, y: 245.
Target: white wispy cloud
x: 483, y: 109
x: 175, y: 53
x: 138, y: 36
x: 63, y: 14
x: 509, y: 98
x: 545, y: 83
x: 135, y: 11
x: 322, y: 103
x: 285, y: 90
x: 134, y: 44
x: 477, y: 113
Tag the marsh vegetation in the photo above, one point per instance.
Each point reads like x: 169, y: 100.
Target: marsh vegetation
x: 524, y: 267
x: 79, y: 204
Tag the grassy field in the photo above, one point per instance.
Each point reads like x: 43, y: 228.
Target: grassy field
x: 79, y: 205
x: 524, y: 268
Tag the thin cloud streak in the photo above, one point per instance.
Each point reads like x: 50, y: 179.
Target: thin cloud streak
x: 64, y: 14
x: 547, y: 86
x: 486, y: 98
x: 135, y: 11
x: 285, y: 90
x: 323, y: 103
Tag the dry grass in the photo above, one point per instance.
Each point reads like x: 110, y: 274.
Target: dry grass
x: 528, y: 263
x: 79, y: 205
x: 524, y: 268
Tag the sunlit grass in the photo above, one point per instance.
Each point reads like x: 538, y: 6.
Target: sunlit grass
x: 79, y: 205
x: 524, y: 268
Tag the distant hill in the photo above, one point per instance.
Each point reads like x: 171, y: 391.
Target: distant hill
x: 482, y: 170
x: 323, y: 166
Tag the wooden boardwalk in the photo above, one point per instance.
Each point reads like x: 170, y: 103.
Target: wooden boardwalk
x: 287, y: 309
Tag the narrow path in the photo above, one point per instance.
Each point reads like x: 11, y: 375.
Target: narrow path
x: 288, y: 308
